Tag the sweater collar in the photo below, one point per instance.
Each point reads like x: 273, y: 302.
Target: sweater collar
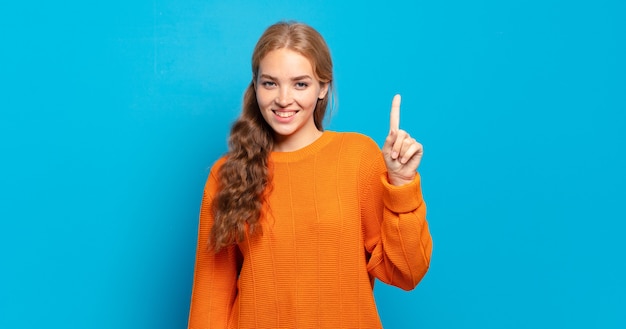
x: 306, y: 151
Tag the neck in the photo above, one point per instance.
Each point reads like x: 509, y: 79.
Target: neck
x: 287, y: 144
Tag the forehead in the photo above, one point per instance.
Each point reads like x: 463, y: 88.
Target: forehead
x: 285, y: 62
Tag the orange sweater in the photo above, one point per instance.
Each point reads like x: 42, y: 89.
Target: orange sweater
x: 332, y: 223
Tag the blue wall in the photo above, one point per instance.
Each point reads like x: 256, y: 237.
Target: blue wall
x: 111, y: 115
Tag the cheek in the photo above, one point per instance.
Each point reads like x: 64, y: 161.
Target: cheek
x: 310, y: 99
x: 263, y: 98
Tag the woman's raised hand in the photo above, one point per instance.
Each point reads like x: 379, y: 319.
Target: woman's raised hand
x: 402, y: 153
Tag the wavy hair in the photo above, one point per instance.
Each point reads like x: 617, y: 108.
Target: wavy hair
x: 245, y: 175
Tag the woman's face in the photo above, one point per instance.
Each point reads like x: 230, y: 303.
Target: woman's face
x: 287, y: 91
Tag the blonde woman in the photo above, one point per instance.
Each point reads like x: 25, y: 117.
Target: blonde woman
x: 296, y: 222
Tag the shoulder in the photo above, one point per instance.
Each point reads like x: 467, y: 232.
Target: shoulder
x: 360, y: 153
x: 215, y: 167
x: 353, y: 137
x: 218, y: 164
x: 212, y: 182
x: 359, y: 141
x: 359, y: 150
x: 214, y: 173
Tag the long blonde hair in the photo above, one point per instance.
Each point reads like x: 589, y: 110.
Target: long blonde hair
x: 244, y: 176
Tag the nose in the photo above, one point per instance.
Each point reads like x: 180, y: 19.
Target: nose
x: 284, y: 97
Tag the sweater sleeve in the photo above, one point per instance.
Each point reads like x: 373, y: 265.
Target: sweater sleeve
x: 215, y: 274
x: 396, y: 231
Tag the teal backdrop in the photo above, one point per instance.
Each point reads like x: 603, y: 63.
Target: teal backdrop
x: 113, y: 112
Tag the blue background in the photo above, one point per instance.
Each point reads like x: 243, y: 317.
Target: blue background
x: 112, y: 113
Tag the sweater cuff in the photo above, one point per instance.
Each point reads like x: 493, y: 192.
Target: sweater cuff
x: 402, y: 199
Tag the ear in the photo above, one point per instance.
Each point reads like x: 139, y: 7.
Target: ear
x: 323, y: 90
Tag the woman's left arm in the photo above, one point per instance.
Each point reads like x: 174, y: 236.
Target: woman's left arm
x: 400, y: 244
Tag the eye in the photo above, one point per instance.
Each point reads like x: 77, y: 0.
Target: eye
x: 268, y: 84
x: 301, y: 85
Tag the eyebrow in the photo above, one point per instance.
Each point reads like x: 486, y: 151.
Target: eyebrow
x: 298, y: 78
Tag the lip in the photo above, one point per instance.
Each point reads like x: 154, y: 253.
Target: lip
x: 284, y: 119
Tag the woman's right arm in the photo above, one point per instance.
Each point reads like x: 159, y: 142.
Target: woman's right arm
x: 215, y: 274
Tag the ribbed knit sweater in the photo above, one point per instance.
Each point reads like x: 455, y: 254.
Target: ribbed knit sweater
x: 331, y: 224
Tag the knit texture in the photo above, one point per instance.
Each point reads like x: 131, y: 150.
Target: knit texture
x: 331, y: 224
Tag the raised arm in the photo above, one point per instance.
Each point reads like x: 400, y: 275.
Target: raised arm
x: 396, y: 230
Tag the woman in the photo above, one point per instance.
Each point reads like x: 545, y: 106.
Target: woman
x: 297, y: 222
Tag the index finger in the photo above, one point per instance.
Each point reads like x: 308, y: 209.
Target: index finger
x: 394, y: 117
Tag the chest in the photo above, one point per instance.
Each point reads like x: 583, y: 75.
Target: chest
x: 313, y: 205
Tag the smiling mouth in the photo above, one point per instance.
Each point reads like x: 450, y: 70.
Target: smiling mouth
x: 285, y: 114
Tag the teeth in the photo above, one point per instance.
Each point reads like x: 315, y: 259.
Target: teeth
x: 285, y: 114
